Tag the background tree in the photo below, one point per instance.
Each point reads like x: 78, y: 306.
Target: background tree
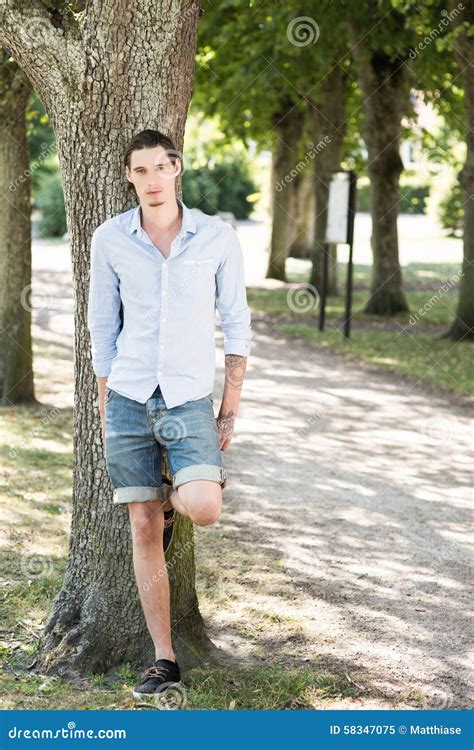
x: 265, y: 89
x: 103, y: 73
x: 380, y: 53
x: 463, y: 46
x: 16, y: 356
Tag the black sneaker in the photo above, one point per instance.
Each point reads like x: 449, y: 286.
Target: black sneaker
x: 170, y: 516
x: 158, y: 678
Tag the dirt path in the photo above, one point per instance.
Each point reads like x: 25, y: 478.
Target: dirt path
x: 344, y: 543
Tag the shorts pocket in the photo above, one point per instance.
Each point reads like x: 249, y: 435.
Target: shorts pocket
x: 109, y: 394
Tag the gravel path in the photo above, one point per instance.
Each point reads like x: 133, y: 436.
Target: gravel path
x: 348, y: 511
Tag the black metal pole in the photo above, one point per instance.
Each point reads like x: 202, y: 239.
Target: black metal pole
x: 347, y: 320
x: 322, y: 301
x: 350, y: 241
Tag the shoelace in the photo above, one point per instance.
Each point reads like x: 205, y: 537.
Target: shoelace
x: 155, y: 672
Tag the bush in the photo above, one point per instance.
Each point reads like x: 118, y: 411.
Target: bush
x: 49, y: 199
x: 451, y: 210
x: 412, y: 198
x: 224, y: 187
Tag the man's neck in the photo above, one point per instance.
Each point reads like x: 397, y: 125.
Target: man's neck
x: 161, y: 219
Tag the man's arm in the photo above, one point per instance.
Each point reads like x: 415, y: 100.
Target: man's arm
x: 103, y: 315
x: 235, y: 318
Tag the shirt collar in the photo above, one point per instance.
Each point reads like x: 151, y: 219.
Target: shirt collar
x: 188, y: 223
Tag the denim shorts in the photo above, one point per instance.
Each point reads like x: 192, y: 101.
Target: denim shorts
x: 135, y: 434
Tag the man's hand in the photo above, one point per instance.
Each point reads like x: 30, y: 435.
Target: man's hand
x: 225, y: 427
x: 101, y: 386
x: 235, y: 366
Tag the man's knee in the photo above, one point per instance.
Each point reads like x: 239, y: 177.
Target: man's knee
x: 203, y: 500
x: 206, y: 513
x: 146, y: 518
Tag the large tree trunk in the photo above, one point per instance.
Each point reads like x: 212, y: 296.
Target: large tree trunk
x: 382, y: 81
x: 116, y: 71
x: 288, y: 126
x: 16, y: 357
x: 302, y: 212
x: 463, y: 326
x: 327, y: 114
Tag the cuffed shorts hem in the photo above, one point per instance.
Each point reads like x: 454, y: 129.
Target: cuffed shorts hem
x: 201, y: 471
x: 137, y: 494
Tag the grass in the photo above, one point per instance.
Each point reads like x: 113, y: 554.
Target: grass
x: 244, y: 688
x: 35, y: 493
x: 409, y: 343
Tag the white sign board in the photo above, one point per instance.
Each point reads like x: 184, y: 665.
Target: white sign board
x: 338, y: 208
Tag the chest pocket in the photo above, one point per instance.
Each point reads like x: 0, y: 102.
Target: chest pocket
x: 194, y: 282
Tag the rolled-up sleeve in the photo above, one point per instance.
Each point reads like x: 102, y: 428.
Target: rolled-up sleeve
x: 103, y: 313
x: 231, y: 298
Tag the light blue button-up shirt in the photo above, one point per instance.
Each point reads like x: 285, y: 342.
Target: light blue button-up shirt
x: 152, y: 319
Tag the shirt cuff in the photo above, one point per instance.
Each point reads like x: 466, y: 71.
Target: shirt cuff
x: 237, y: 346
x: 103, y: 370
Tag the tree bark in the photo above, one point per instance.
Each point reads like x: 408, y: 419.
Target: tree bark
x: 302, y: 212
x: 463, y: 325
x: 288, y: 127
x: 16, y: 356
x: 104, y: 75
x: 382, y: 81
x: 327, y: 114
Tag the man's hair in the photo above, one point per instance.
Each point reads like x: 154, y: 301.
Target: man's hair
x: 148, y: 139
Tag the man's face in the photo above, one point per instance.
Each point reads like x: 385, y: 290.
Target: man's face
x: 153, y: 174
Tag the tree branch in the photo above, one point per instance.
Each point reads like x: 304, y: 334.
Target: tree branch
x: 44, y: 43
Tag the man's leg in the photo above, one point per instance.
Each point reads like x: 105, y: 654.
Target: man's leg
x: 200, y: 500
x: 151, y: 573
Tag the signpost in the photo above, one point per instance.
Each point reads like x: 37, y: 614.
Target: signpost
x: 339, y: 230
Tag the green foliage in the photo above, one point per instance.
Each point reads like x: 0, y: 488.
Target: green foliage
x: 451, y: 209
x: 253, y: 64
x: 49, y: 200
x: 412, y: 198
x: 224, y: 187
x: 218, y: 174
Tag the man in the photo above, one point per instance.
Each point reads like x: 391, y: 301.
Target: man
x: 158, y: 273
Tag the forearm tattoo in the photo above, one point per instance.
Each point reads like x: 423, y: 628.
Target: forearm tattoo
x: 235, y: 366
x: 225, y: 422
